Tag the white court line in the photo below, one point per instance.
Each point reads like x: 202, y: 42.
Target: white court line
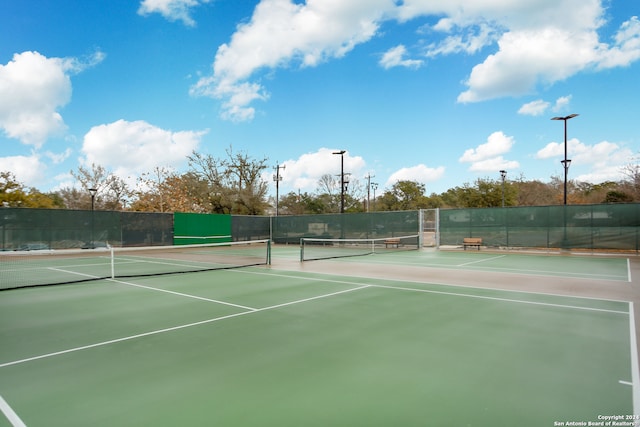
x: 635, y: 370
x: 544, y: 304
x: 175, y: 328
x: 74, y: 272
x: 575, y: 307
x: 184, y: 295
x: 518, y: 271
x: 481, y: 260
x: 8, y: 412
x: 160, y: 290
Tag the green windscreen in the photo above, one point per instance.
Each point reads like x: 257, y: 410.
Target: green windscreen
x: 37, y: 229
x: 194, y: 228
x: 572, y: 227
x: 291, y: 228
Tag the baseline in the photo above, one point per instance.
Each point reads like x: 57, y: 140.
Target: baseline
x: 10, y: 414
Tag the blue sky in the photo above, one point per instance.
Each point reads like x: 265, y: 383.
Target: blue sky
x: 438, y: 92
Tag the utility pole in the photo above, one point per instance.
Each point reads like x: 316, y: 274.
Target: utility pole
x: 341, y: 153
x: 277, y: 178
x: 369, y: 176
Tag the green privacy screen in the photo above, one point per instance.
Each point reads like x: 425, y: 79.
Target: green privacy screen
x: 571, y: 227
x: 194, y: 228
x: 602, y: 226
x: 289, y: 229
x: 30, y: 229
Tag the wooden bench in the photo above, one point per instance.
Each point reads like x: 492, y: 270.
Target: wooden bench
x: 393, y: 241
x: 471, y: 241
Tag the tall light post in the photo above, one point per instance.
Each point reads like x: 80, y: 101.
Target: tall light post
x: 341, y: 153
x: 93, y: 192
x: 566, y: 162
x: 503, y: 175
x: 277, y: 178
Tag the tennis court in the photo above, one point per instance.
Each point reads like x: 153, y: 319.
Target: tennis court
x: 409, y: 338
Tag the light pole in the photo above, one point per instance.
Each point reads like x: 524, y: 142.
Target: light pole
x: 93, y: 192
x: 503, y: 175
x: 566, y: 162
x: 341, y: 153
x: 277, y: 178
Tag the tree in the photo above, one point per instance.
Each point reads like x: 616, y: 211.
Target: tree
x: 11, y: 191
x: 14, y: 194
x: 112, y: 191
x: 252, y: 189
x: 404, y: 195
x: 233, y: 185
x: 618, y: 197
x: 534, y: 193
x: 152, y: 190
x: 632, y: 182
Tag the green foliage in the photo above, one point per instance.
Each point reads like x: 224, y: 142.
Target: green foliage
x: 404, y: 195
x: 13, y: 194
x: 618, y: 197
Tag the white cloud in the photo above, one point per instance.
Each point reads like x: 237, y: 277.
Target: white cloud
x: 602, y: 161
x: 304, y: 172
x: 33, y: 88
x: 395, y: 57
x: 555, y: 149
x: 131, y: 148
x: 494, y: 164
x: 281, y: 33
x: 539, y: 106
x: 488, y: 157
x: 498, y: 143
x: 533, y: 42
x: 28, y: 170
x: 562, y: 103
x: 469, y: 40
x: 534, y: 108
x: 419, y: 173
x: 172, y: 10
x: 526, y: 58
x: 59, y: 157
x: 626, y: 48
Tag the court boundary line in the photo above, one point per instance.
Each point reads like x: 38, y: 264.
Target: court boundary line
x: 175, y: 328
x: 635, y: 368
x: 182, y: 294
x: 545, y: 304
x: 10, y: 414
x: 520, y: 272
x: 452, y: 285
x: 464, y: 264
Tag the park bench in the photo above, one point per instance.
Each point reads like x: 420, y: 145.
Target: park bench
x: 393, y: 241
x: 471, y: 241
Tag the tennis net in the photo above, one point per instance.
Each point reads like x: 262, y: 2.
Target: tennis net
x: 53, y: 267
x: 317, y: 248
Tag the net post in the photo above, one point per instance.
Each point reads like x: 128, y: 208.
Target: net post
x: 420, y: 227
x: 268, y: 251
x: 113, y: 263
x: 301, y: 249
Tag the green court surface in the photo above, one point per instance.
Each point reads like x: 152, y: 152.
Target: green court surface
x: 283, y: 346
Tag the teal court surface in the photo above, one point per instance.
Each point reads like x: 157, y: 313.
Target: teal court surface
x: 415, y: 338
